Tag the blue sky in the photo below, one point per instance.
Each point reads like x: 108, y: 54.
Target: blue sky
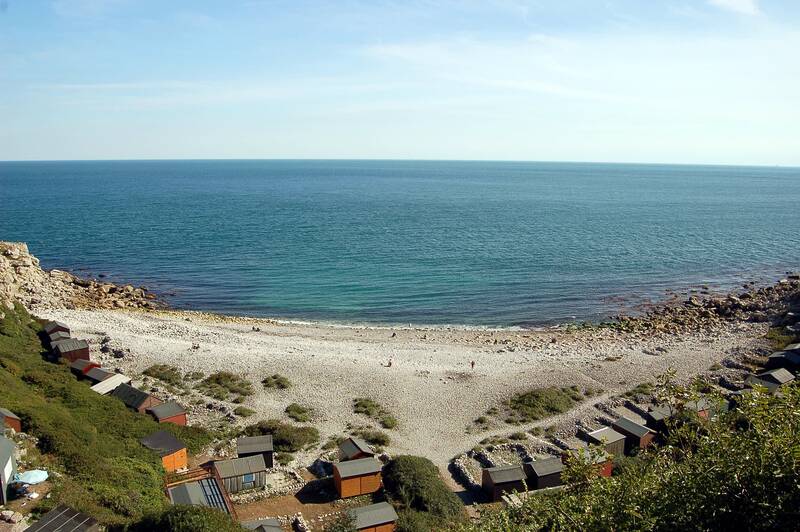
x: 677, y: 81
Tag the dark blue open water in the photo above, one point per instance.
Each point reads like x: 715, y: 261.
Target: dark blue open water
x: 481, y: 243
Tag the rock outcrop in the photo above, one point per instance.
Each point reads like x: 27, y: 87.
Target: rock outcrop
x: 23, y: 280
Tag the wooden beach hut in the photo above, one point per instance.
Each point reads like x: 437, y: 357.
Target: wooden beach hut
x: 354, y: 448
x: 543, y: 473
x: 357, y: 477
x: 171, y: 450
x: 611, y: 440
x: 254, y: 446
x: 58, y: 336
x: 789, y: 360
x: 496, y: 481
x: 379, y: 517
x: 108, y: 385
x: 771, y: 380
x: 604, y: 461
x: 72, y: 349
x: 98, y: 374
x: 65, y: 519
x: 10, y: 420
x: 135, y: 398
x: 169, y: 412
x: 199, y: 487
x: 239, y: 474
x: 637, y: 436
x: 56, y: 326
x: 81, y: 367
x: 8, y: 467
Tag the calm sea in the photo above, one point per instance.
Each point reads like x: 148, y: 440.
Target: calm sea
x: 478, y: 243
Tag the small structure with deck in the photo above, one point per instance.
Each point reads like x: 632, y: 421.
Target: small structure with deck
x: 239, y: 474
x: 169, y: 412
x: 199, y: 487
x: 357, y: 477
x: 172, y: 451
x: 254, y: 446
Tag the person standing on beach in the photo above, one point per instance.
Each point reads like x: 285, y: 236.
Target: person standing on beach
x: 473, y: 365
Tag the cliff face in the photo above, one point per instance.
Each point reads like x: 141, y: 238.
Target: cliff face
x: 23, y: 280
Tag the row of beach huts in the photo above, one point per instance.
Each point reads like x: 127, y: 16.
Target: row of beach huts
x: 626, y: 436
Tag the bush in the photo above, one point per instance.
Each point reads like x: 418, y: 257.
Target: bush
x: 372, y: 409
x: 243, y: 411
x: 285, y: 436
x: 166, y: 373
x: 276, y: 381
x: 299, y: 413
x: 414, y: 483
x: 373, y: 437
x: 222, y: 384
x: 540, y: 403
x: 187, y: 519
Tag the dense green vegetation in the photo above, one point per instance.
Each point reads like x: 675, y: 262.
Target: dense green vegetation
x: 299, y: 413
x: 286, y: 438
x: 543, y: 402
x: 372, y: 436
x: 423, y: 500
x: 276, y: 381
x: 223, y: 384
x: 165, y: 373
x: 92, y: 440
x: 187, y: 519
x: 739, y: 472
x: 243, y: 411
x: 372, y: 409
x: 779, y: 337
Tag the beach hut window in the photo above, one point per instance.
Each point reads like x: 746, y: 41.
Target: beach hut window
x: 249, y: 481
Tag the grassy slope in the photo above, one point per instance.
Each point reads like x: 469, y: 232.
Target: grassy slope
x: 92, y: 439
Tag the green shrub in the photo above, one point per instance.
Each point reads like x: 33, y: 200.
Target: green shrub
x: 541, y: 403
x: 187, y: 519
x: 372, y: 409
x: 243, y: 411
x: 299, y: 413
x: 285, y: 436
x: 415, y: 485
x: 276, y: 381
x: 222, y: 384
x: 284, y: 458
x: 332, y: 442
x: 166, y: 373
x: 373, y: 437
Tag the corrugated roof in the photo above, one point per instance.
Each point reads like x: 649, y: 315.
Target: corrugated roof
x: 373, y: 515
x: 63, y: 519
x: 545, y: 466
x: 354, y: 446
x: 73, y: 344
x: 236, y: 467
x: 162, y: 442
x: 58, y: 336
x: 356, y: 468
x: 264, y: 525
x: 503, y: 474
x: 205, y: 492
x: 98, y: 374
x: 50, y: 326
x: 605, y: 435
x: 624, y: 424
x: 254, y: 444
x: 166, y: 410
x: 660, y: 412
x: 81, y: 364
x: 778, y: 376
x: 107, y: 386
x: 132, y: 397
x: 4, y: 412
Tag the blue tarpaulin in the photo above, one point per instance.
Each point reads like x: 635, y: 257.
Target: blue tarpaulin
x: 34, y: 476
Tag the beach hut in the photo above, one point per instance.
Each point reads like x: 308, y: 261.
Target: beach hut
x: 254, y: 446
x: 611, y: 440
x: 657, y: 417
x: 604, y: 461
x: 239, y: 474
x: 10, y: 420
x: 789, y: 360
x: 771, y: 380
x: 354, y: 448
x: 110, y: 384
x: 58, y: 336
x: 171, y: 450
x: 264, y: 525
x: 357, y: 477
x: 8, y: 467
x: 379, y: 517
x: 496, y: 481
x: 543, y: 473
x: 135, y: 398
x: 64, y: 519
x: 98, y: 374
x: 72, y: 349
x: 200, y: 489
x: 169, y: 412
x: 56, y: 326
x: 637, y: 436
x: 81, y: 367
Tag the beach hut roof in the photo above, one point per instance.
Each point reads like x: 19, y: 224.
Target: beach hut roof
x: 792, y: 347
x: 107, y: 386
x: 373, y: 515
x: 132, y: 397
x: 203, y: 492
x: 544, y: 466
x: 99, y: 374
x: 63, y: 518
x: 356, y: 468
x: 605, y: 435
x: 254, y: 444
x: 163, y: 442
x: 236, y: 467
x: 793, y: 357
x: 166, y: 410
x: 81, y: 364
x: 73, y: 344
x: 51, y: 326
x: 631, y: 427
x: 777, y: 376
x: 58, y: 336
x: 354, y: 446
x: 508, y: 473
x: 264, y: 525
x: 4, y: 412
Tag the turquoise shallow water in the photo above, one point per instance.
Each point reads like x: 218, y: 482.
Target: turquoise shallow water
x: 476, y: 243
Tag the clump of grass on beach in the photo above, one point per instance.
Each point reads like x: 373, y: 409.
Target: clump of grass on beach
x: 299, y: 413
x: 243, y: 411
x: 276, y: 381
x: 223, y: 384
x: 372, y: 436
x: 372, y: 409
x: 541, y: 403
x: 165, y: 373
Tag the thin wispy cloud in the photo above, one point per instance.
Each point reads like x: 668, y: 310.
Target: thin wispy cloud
x: 745, y: 7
